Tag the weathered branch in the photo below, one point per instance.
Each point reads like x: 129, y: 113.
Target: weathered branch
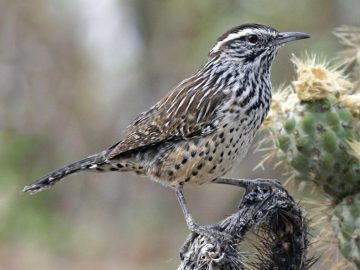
x: 271, y: 214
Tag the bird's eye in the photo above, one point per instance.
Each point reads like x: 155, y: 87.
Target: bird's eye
x: 252, y: 39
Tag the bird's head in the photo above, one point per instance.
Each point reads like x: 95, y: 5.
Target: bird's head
x: 252, y: 43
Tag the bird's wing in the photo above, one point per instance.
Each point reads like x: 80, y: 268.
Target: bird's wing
x: 190, y: 110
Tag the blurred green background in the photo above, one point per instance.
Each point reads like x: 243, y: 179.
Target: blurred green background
x: 73, y: 74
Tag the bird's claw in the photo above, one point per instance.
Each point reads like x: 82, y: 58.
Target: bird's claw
x: 208, y: 232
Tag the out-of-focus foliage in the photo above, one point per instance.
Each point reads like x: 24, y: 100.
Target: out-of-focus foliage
x: 73, y: 73
x: 33, y: 220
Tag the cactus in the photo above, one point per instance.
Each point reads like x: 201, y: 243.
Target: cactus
x: 315, y: 127
x: 346, y: 224
x: 314, y: 141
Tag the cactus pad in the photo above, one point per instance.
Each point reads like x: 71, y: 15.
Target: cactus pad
x: 313, y: 140
x: 346, y: 223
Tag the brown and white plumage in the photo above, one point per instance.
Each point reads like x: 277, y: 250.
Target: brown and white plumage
x: 200, y: 128
x: 183, y: 114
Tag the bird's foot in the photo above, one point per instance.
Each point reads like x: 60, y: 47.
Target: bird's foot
x: 211, y: 232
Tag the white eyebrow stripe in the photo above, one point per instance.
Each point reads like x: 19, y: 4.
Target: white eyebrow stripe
x: 236, y: 35
x: 239, y: 34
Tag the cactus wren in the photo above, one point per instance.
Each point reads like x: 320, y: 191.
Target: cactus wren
x: 196, y: 133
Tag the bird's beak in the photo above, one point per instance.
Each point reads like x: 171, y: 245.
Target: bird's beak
x: 285, y: 37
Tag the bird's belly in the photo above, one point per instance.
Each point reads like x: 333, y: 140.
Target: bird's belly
x: 201, y: 160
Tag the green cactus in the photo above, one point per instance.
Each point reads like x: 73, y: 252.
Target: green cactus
x: 346, y: 223
x: 313, y: 140
x: 315, y: 124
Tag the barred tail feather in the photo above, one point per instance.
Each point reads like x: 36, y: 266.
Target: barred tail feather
x: 52, y: 178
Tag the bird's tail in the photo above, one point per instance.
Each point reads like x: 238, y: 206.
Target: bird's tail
x: 89, y: 163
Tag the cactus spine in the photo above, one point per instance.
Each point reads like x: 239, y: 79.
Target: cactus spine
x: 315, y: 123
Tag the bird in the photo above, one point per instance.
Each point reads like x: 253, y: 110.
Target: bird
x: 202, y: 127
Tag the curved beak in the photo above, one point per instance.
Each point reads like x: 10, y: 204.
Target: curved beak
x: 285, y: 37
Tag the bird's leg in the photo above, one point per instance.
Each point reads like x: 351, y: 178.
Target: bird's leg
x: 246, y: 183
x: 207, y: 231
x: 188, y: 218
